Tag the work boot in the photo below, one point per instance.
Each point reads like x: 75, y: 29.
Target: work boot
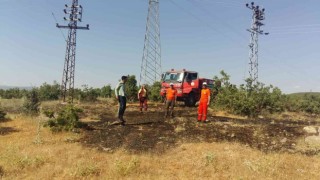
x: 121, y: 120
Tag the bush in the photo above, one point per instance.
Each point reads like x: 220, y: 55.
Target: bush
x: 13, y: 93
x: 48, y: 113
x: 31, y: 103
x: 106, y: 91
x: 2, y: 115
x: 89, y: 94
x: 249, y: 99
x: 131, y: 88
x: 155, y: 92
x: 68, y: 120
x: 49, y: 92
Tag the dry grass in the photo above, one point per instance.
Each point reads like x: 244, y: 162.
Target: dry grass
x: 60, y: 156
x: 11, y: 105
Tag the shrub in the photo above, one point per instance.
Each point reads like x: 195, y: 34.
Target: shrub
x: 106, y: 91
x: 2, y: 115
x: 155, y: 91
x: 48, y: 113
x: 249, y: 99
x: 68, y: 120
x: 89, y: 94
x: 49, y: 92
x: 31, y: 103
x: 131, y: 88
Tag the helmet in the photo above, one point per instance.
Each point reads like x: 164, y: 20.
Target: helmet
x: 204, y: 83
x: 171, y: 84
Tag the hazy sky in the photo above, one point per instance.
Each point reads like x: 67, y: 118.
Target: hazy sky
x: 201, y: 35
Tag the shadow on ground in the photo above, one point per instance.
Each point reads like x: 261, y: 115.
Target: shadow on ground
x: 7, y: 130
x: 151, y: 132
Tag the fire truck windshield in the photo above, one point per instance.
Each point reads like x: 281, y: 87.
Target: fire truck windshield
x: 173, y: 77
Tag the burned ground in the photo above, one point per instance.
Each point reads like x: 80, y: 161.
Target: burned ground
x: 151, y: 132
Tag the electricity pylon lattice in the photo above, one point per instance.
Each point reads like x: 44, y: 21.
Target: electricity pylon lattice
x: 75, y: 15
x: 255, y: 30
x: 151, y: 59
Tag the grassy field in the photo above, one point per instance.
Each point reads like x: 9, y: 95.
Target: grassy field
x: 27, y: 152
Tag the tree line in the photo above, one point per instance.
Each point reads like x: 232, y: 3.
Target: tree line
x: 249, y: 99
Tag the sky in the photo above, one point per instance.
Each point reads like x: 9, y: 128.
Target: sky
x: 206, y: 36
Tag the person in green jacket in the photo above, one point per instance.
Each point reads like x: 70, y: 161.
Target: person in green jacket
x: 121, y: 96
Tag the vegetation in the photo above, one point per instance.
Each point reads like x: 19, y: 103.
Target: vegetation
x: 132, y: 88
x: 13, y: 93
x: 67, y: 120
x: 250, y: 99
x: 155, y: 91
x: 49, y: 92
x: 31, y: 103
x: 58, y: 158
x: 89, y: 94
x: 304, y: 102
x: 106, y: 91
x: 2, y: 115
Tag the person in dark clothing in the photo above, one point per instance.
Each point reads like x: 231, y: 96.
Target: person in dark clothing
x: 121, y: 96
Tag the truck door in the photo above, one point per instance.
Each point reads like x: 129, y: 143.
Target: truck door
x: 190, y: 82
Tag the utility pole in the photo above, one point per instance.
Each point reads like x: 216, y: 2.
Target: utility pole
x: 151, y: 59
x: 255, y: 30
x: 75, y: 15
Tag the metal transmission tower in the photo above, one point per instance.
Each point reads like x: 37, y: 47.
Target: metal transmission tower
x: 151, y: 59
x: 255, y: 30
x: 75, y: 15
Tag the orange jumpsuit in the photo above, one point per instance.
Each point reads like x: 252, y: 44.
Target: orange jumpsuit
x: 170, y: 102
x: 203, y: 105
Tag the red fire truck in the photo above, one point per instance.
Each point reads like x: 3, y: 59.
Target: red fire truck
x: 187, y: 83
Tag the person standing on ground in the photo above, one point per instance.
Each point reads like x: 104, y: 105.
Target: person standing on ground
x: 143, y: 96
x: 171, y: 97
x: 121, y: 96
x: 204, y: 103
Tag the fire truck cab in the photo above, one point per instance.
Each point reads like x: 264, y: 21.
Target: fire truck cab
x: 187, y: 83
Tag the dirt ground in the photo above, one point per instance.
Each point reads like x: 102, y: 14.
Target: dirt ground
x: 151, y: 132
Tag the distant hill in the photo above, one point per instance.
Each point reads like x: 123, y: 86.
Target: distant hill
x: 302, y: 94
x: 10, y: 87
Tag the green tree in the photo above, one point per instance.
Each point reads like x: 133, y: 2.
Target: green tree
x: 89, y: 94
x: 106, y: 91
x: 31, y: 103
x: 13, y: 93
x: 155, y: 91
x: 249, y: 99
x: 49, y: 92
x: 131, y: 88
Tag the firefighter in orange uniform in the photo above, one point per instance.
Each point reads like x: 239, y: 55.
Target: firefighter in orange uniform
x: 171, y: 97
x: 204, y: 103
x: 143, y: 96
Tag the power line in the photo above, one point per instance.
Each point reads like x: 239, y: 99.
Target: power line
x: 64, y: 37
x: 228, y: 26
x: 296, y: 26
x: 195, y: 17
